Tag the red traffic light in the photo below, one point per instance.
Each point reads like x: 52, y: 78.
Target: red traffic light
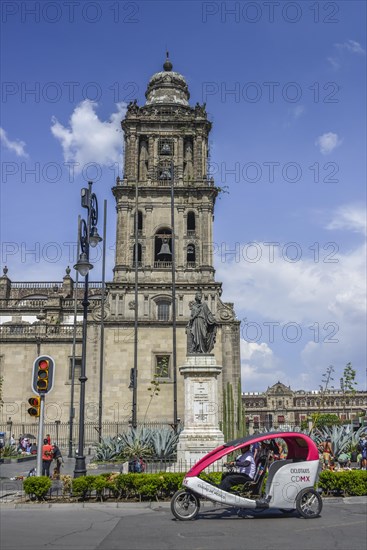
x: 43, y: 374
x: 34, y: 409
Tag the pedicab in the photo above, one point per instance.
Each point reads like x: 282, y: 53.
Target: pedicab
x: 289, y: 485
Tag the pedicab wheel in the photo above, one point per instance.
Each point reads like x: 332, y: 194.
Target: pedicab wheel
x: 185, y: 505
x: 309, y: 503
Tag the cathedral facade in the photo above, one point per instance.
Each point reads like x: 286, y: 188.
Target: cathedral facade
x: 165, y: 205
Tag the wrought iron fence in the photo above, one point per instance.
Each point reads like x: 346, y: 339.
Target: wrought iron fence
x: 59, y: 431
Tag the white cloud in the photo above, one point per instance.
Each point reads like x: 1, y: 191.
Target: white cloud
x: 297, y: 111
x: 325, y: 295
x: 334, y: 61
x: 350, y: 217
x: 293, y: 114
x: 17, y: 146
x: 259, y: 366
x: 328, y: 142
x: 89, y: 139
x: 351, y: 46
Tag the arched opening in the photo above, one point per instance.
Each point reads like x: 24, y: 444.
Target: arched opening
x: 190, y: 255
x: 163, y: 248
x: 191, y: 222
x: 140, y: 221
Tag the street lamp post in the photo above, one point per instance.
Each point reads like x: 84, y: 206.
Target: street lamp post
x: 88, y: 238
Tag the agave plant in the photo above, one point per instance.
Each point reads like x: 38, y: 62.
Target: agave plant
x: 141, y: 434
x: 342, y: 437
x: 145, y: 442
x: 137, y: 449
x: 164, y: 442
x: 110, y: 448
x: 7, y: 451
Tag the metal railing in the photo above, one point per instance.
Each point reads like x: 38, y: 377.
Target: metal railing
x: 59, y: 431
x: 163, y: 265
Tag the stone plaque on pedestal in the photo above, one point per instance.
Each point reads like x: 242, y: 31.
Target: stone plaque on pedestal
x: 201, y: 433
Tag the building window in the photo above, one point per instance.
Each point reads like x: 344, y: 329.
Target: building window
x: 140, y: 221
x: 162, y: 246
x: 163, y: 310
x: 162, y: 366
x: 191, y: 224
x: 190, y: 254
x: 166, y: 147
x: 78, y: 369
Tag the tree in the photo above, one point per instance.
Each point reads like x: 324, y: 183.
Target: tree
x: 326, y: 380
x: 348, y: 383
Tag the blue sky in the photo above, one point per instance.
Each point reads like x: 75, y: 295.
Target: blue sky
x: 285, y: 88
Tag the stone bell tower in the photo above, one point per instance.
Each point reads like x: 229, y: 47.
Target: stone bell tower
x: 166, y: 147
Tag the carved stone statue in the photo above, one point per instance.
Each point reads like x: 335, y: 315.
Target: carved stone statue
x: 202, y: 327
x: 188, y: 165
x: 143, y: 161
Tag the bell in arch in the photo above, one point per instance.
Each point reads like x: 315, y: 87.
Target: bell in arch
x: 165, y: 250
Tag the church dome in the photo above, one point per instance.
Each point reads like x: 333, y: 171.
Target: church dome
x: 167, y: 87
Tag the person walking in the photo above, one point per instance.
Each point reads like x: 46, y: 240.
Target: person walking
x: 59, y: 460
x: 47, y: 456
x: 327, y: 454
x: 363, y: 447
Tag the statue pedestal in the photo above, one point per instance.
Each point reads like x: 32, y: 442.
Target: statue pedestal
x: 201, y: 433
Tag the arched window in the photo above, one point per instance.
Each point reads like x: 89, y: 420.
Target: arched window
x: 190, y: 255
x: 191, y: 222
x: 140, y: 221
x: 162, y: 247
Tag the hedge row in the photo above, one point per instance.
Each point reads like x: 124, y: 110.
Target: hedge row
x: 163, y: 486
x: 345, y: 482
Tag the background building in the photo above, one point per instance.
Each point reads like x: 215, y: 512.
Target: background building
x: 279, y: 405
x: 166, y: 139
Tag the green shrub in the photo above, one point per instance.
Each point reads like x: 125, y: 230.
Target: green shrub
x: 125, y: 485
x: 82, y: 486
x: 347, y: 482
x: 170, y: 483
x: 100, y: 483
x: 37, y: 486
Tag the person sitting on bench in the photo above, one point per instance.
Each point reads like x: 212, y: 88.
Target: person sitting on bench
x: 245, y: 470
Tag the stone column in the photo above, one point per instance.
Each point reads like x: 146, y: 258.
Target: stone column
x: 122, y: 234
x: 201, y: 433
x: 180, y: 159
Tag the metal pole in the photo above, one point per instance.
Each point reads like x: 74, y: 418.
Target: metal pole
x: 174, y: 350
x: 72, y: 411
x: 101, y: 353
x: 136, y: 256
x: 40, y: 435
x: 80, y: 466
x: 57, y: 422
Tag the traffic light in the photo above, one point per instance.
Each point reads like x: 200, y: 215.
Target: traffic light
x: 43, y: 374
x: 34, y: 409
